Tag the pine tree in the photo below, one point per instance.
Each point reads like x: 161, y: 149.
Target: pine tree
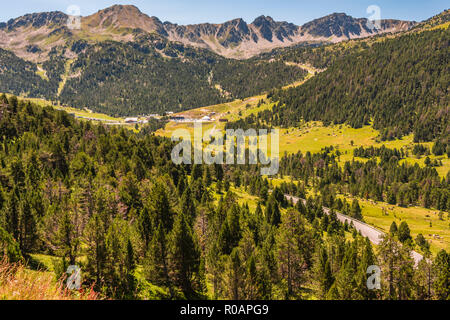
x: 28, y: 229
x: 234, y: 275
x: 182, y: 184
x: 196, y: 172
x: 291, y: 263
x: 160, y: 208
x: 94, y: 237
x: 9, y: 247
x: 322, y: 272
x: 398, y: 269
x: 207, y: 179
x: 67, y: 238
x: 234, y: 227
x: 424, y: 278
x: 367, y: 259
x: 441, y: 267
x: 252, y: 280
x: 393, y: 229
x: 156, y: 261
x: 356, y: 210
x: 404, y: 234
x: 11, y: 214
x: 214, y: 267
x: 188, y: 206
x: 130, y: 267
x: 345, y: 279
x: 145, y: 227
x: 184, y: 254
x: 273, y: 214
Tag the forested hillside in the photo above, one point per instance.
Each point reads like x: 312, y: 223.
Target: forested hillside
x: 147, y: 76
x: 318, y: 56
x: 140, y: 227
x: 20, y: 77
x: 382, y: 178
x: 399, y: 84
x: 125, y: 79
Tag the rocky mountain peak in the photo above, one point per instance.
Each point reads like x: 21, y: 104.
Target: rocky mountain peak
x: 234, y: 38
x: 124, y: 16
x: 342, y: 26
x: 36, y: 20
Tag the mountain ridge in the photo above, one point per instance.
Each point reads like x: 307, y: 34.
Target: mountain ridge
x: 232, y: 39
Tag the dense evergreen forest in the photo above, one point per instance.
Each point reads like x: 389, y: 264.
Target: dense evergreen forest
x: 382, y: 178
x: 149, y: 75
x: 318, y: 56
x: 400, y: 85
x: 140, y: 227
x: 20, y: 77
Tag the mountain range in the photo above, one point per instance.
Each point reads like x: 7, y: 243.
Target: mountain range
x: 33, y: 36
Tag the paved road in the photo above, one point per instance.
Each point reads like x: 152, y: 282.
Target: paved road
x: 375, y: 236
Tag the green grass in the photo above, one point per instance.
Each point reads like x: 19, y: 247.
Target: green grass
x: 65, y: 76
x: 41, y: 73
x: 89, y: 114
x: 417, y: 218
x: 147, y: 290
x: 77, y: 112
x: 44, y: 262
x: 313, y: 137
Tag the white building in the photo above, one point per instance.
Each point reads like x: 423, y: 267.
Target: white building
x: 131, y: 120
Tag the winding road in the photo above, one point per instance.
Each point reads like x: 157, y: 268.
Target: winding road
x: 375, y: 236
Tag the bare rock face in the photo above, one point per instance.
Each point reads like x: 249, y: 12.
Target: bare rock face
x: 268, y: 28
x: 342, y: 26
x: 36, y: 20
x: 235, y: 38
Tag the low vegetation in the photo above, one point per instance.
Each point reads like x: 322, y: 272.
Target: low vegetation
x: 20, y: 283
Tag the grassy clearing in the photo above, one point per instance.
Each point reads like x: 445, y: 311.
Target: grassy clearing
x: 246, y: 198
x: 420, y: 220
x: 309, y: 137
x: 313, y: 137
x: 62, y: 84
x: 243, y: 197
x: 41, y: 73
x: 44, y: 262
x: 311, y: 73
x: 89, y: 114
x: 77, y: 112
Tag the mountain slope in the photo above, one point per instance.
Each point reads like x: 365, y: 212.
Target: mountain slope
x: 123, y: 17
x: 124, y: 79
x: 33, y: 36
x: 150, y: 75
x: 400, y: 83
x: 123, y: 62
x: 21, y: 77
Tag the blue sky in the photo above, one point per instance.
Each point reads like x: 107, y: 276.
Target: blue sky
x: 198, y: 11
